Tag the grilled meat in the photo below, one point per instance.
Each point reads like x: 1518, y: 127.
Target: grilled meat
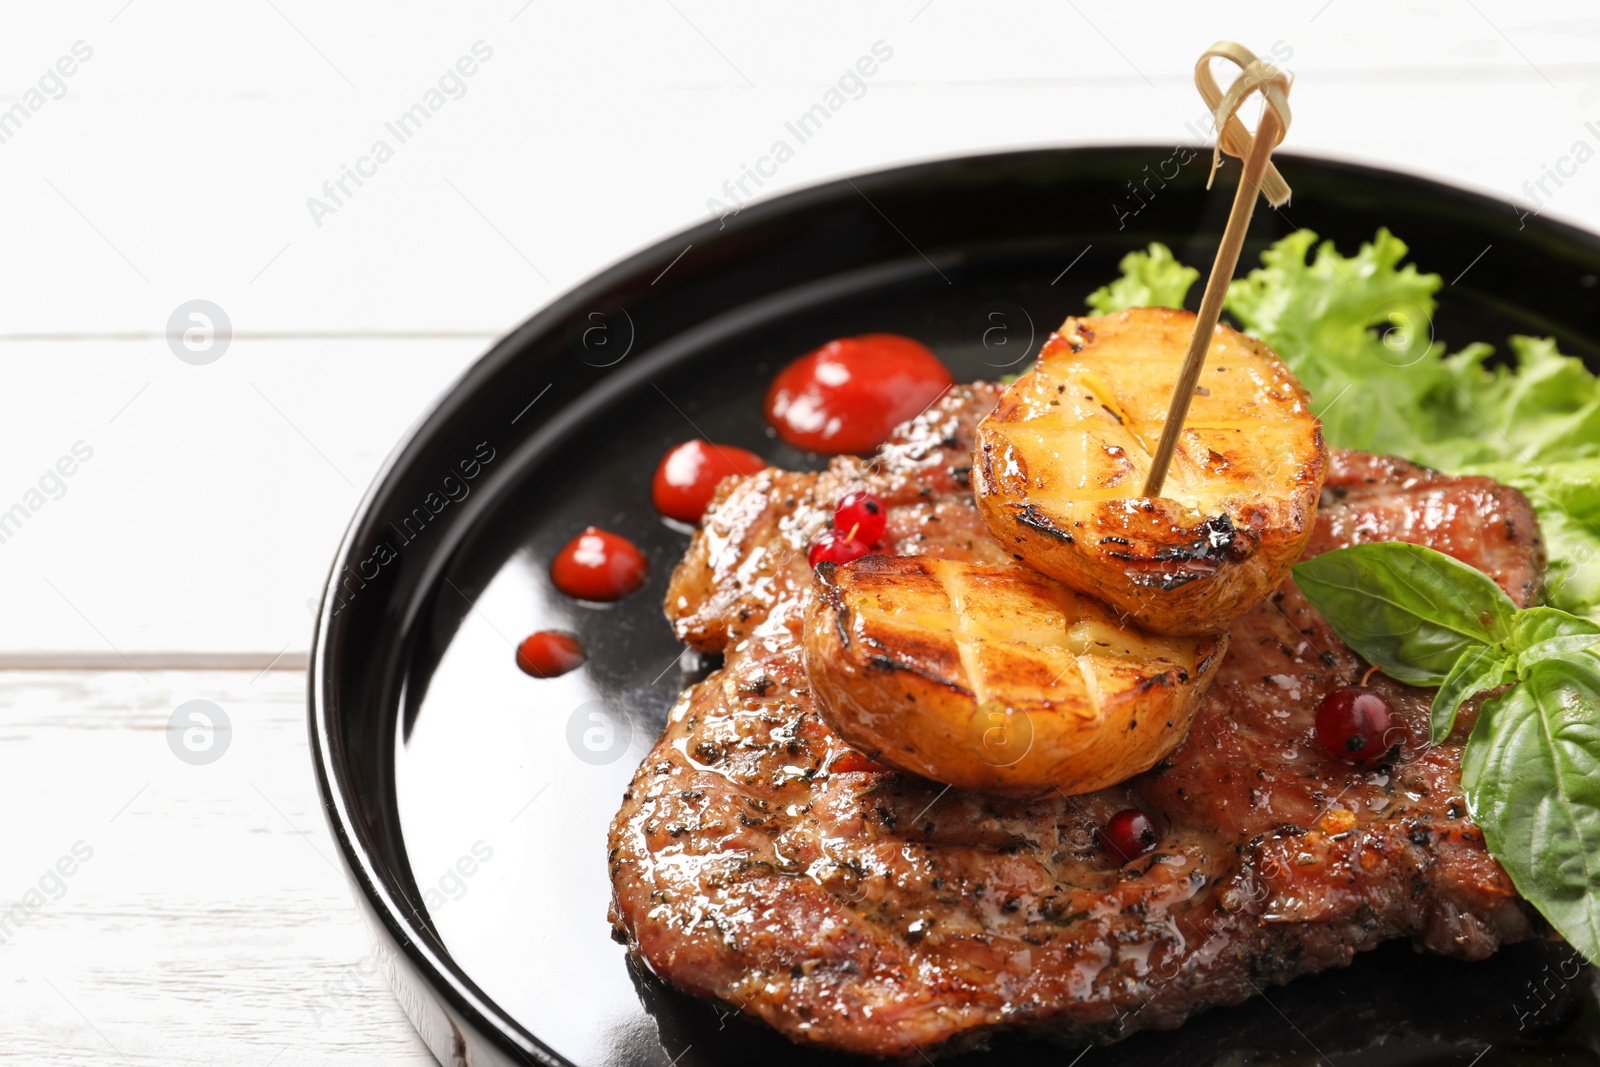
x: 758, y: 862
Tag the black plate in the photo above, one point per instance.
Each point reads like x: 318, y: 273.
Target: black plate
x: 469, y: 805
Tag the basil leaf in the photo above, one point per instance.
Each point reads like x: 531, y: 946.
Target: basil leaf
x: 1544, y: 633
x: 1408, y: 609
x: 1480, y: 667
x: 1531, y: 771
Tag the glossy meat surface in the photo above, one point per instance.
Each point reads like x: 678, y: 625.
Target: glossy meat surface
x: 756, y: 861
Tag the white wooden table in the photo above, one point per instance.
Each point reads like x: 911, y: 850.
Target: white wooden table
x: 185, y: 156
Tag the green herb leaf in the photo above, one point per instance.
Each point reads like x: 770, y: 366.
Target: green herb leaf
x: 1408, y: 609
x: 1531, y: 771
x: 1480, y: 667
x: 1545, y: 633
x: 1150, y: 279
x: 1535, y: 634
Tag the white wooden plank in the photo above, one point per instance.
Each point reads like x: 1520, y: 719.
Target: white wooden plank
x: 181, y: 159
x: 164, y: 659
x: 214, y: 497
x: 204, y: 920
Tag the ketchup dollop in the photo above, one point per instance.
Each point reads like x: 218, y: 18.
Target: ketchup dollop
x: 599, y: 565
x: 848, y: 395
x: 549, y: 653
x: 688, y: 476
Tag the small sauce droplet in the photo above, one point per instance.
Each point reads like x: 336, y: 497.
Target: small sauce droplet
x: 549, y: 653
x: 848, y: 395
x: 850, y: 760
x: 599, y: 565
x: 688, y: 476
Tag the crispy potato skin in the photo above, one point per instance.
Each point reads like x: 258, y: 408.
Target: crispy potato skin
x: 995, y: 679
x: 1059, y: 465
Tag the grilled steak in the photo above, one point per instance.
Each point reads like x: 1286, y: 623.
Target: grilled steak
x: 758, y: 862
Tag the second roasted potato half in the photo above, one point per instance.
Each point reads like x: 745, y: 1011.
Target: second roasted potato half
x: 1060, y: 465
x: 995, y: 679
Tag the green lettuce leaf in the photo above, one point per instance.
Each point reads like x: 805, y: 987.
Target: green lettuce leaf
x: 1358, y: 330
x: 1150, y: 279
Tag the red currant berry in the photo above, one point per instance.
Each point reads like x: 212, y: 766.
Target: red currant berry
x: 1353, y: 724
x: 862, y: 512
x: 1128, y: 835
x: 836, y: 546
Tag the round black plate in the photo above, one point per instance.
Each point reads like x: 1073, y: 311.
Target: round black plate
x: 470, y: 802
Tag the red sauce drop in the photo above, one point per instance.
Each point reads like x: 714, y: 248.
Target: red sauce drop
x: 688, y: 476
x: 850, y: 760
x: 598, y: 565
x: 549, y: 653
x: 848, y: 395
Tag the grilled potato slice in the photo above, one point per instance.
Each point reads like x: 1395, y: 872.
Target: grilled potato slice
x: 1060, y: 464
x: 995, y: 679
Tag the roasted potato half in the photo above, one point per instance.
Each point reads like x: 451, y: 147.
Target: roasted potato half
x: 995, y: 679
x: 1059, y: 468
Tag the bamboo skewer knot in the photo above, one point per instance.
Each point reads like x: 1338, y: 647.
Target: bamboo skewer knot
x: 1232, y: 136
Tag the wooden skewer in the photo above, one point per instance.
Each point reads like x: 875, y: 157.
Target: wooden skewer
x: 1268, y: 134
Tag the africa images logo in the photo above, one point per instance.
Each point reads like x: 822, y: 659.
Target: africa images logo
x: 451, y: 85
x: 851, y: 85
